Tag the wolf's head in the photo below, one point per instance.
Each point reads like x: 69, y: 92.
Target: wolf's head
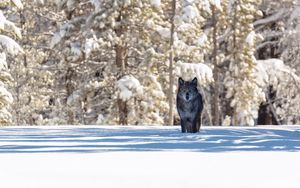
x: 187, y: 90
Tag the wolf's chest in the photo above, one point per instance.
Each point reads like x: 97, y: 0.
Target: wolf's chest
x: 186, y: 109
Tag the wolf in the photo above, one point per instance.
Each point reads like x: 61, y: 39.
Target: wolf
x: 189, y: 105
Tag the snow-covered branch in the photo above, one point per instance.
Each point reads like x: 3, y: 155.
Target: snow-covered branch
x: 10, y: 45
x: 273, y: 18
x: 267, y: 43
x: 129, y: 86
x: 190, y: 70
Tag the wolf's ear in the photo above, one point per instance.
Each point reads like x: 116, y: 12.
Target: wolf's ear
x: 180, y: 81
x: 194, y: 81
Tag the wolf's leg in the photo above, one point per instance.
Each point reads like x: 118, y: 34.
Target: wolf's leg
x: 199, y: 122
x: 195, y: 125
x: 188, y: 125
x: 189, y: 128
x: 183, y: 126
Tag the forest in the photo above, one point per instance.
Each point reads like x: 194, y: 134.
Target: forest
x: 117, y: 62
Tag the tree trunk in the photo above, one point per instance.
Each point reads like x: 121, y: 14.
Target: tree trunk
x: 267, y: 114
x: 234, y: 120
x: 122, y: 106
x: 216, y: 92
x: 171, y: 76
x: 121, y: 61
x: 69, y: 90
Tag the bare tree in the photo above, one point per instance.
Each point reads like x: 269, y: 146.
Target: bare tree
x: 171, y: 76
x: 216, y: 72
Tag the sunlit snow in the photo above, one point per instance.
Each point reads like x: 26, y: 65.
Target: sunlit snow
x: 152, y: 156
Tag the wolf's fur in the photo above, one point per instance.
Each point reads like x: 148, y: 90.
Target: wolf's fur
x: 189, y: 105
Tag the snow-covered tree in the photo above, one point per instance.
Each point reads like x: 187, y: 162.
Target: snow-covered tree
x: 8, y: 46
x: 86, y: 62
x: 33, y: 89
x: 242, y: 89
x: 189, y: 42
x: 272, y: 26
x: 108, y: 40
x: 278, y: 26
x: 281, y: 85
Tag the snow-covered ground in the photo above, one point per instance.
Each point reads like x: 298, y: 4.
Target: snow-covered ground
x: 138, y: 157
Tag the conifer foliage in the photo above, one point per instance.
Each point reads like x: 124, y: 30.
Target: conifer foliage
x: 8, y: 47
x: 118, y: 61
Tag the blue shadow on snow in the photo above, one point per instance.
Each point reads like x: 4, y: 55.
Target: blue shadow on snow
x: 104, y: 139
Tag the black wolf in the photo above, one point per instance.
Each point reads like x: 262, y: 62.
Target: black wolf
x: 189, y: 105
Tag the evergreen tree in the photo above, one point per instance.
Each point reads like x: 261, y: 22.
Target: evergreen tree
x: 240, y: 83
x: 8, y: 46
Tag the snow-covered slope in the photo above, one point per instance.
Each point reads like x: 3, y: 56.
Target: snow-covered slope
x: 114, y: 156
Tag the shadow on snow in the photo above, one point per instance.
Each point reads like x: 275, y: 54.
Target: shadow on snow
x: 105, y: 139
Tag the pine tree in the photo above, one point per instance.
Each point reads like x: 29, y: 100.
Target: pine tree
x: 8, y: 46
x: 240, y: 82
x: 109, y: 39
x: 33, y: 88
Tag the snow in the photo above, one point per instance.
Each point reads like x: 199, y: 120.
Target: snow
x: 3, y: 63
x: 75, y: 51
x: 155, y: 3
x: 5, y: 115
x: 10, y: 45
x: 2, y: 20
x: 5, y: 96
x: 90, y: 45
x: 216, y: 3
x: 99, y: 139
x: 129, y: 86
x: 189, y: 13
x: 190, y: 70
x: 206, y: 5
x: 18, y: 4
x: 295, y: 15
x: 250, y: 39
x: 273, y: 71
x: 73, y: 98
x: 152, y: 156
x: 164, y: 32
x: 9, y: 26
x: 276, y: 16
x: 202, y: 40
x: 71, y: 4
x: 58, y: 36
x: 97, y: 4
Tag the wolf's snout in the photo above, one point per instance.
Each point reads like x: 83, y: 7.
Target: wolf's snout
x: 187, y: 96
